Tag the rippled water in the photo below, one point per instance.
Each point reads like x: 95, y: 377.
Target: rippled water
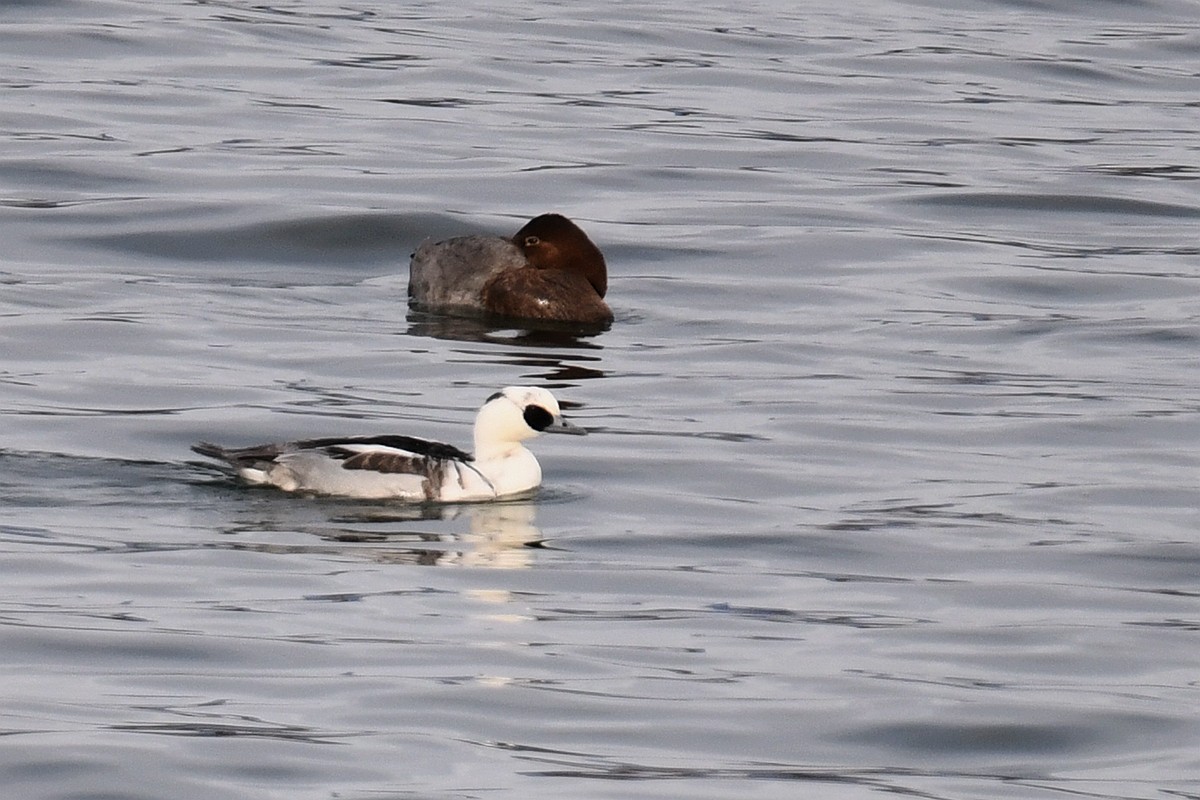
x: 892, y: 485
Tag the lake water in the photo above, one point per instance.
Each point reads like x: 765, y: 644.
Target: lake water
x: 893, y: 479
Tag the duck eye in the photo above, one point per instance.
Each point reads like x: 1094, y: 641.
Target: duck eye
x: 538, y: 418
x: 532, y: 241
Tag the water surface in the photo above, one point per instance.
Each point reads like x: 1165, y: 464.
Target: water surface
x: 891, y: 486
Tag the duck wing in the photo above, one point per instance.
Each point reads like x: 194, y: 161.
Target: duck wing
x: 451, y: 274
x: 357, y: 466
x: 387, y: 454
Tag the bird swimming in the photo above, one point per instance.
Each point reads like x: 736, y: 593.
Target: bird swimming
x: 409, y: 468
x: 548, y: 271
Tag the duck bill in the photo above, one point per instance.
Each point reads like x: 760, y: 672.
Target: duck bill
x: 560, y: 425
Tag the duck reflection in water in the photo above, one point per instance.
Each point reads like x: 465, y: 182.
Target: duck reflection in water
x: 502, y: 534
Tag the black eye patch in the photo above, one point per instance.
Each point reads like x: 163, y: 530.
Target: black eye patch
x: 538, y: 418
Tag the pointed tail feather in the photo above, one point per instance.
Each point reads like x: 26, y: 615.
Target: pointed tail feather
x: 210, y: 450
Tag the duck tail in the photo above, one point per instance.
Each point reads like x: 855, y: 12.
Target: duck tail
x: 210, y: 450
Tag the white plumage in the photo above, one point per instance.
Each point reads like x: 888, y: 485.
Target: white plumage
x: 408, y: 468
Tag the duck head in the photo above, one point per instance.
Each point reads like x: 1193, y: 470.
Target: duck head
x: 551, y: 241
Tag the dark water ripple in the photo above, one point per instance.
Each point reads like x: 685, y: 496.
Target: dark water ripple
x: 892, y: 481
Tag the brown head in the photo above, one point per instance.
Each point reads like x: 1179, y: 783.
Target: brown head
x: 551, y: 241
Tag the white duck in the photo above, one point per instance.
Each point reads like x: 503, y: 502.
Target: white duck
x: 408, y: 468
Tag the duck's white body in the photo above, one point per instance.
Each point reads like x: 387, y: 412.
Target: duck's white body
x: 411, y: 469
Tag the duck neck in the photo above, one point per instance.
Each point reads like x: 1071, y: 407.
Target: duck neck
x: 488, y: 448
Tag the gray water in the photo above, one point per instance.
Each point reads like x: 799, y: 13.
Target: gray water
x: 892, y: 481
